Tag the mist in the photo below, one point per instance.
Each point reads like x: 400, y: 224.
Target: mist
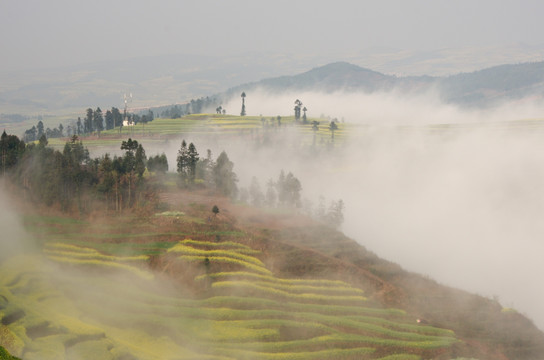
x: 461, y: 204
x: 14, y: 239
x: 67, y: 310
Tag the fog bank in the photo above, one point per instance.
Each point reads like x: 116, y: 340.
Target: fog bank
x: 13, y: 239
x: 461, y: 204
x: 382, y: 108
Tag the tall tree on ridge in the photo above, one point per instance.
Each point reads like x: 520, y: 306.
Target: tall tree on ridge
x: 79, y: 126
x: 298, y: 104
x: 117, y: 117
x: 224, y: 177
x: 109, y: 120
x: 243, y: 112
x: 40, y: 129
x: 183, y: 162
x: 88, y: 122
x: 192, y: 160
x: 98, y: 120
x: 129, y: 163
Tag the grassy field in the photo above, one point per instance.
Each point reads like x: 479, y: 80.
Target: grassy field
x: 158, y: 130
x: 154, y: 288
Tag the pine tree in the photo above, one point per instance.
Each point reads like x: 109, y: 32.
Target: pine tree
x: 88, y: 122
x: 192, y: 160
x: 183, y: 162
x: 109, y: 120
x: 98, y: 120
x: 40, y: 129
x: 224, y: 177
x: 117, y: 117
x: 158, y: 163
x: 129, y: 164
x: 140, y: 160
x: 204, y: 168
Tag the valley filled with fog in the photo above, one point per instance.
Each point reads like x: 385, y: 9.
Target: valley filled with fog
x: 450, y: 193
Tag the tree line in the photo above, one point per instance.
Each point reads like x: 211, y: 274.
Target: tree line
x: 94, y: 121
x: 192, y: 107
x: 72, y: 180
x: 195, y: 171
x: 285, y: 192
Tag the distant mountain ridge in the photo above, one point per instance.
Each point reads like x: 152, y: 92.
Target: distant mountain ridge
x: 166, y: 80
x: 476, y: 89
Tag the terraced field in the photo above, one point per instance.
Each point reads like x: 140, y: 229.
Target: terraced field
x: 212, y: 124
x: 173, y: 296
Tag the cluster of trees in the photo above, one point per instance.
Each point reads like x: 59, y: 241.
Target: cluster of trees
x: 11, y: 150
x: 72, y: 180
x: 36, y: 132
x: 186, y: 163
x: 173, y: 112
x: 298, y: 108
x: 142, y: 118
x: 193, y: 107
x: 158, y: 164
x: 333, y: 215
x: 333, y: 125
x: 283, y: 192
x: 218, y: 174
x: 286, y: 192
x: 94, y: 121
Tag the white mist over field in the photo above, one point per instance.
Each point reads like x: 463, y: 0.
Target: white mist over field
x: 462, y: 204
x: 12, y: 241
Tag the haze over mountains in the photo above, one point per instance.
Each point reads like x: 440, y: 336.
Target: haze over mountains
x: 161, y: 80
x: 480, y: 88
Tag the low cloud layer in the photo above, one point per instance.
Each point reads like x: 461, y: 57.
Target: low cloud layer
x: 382, y: 108
x: 13, y: 239
x: 461, y: 204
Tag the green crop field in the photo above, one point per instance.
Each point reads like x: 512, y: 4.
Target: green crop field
x: 249, y: 127
x: 98, y: 297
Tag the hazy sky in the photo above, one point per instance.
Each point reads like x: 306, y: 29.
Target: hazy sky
x: 60, y: 32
